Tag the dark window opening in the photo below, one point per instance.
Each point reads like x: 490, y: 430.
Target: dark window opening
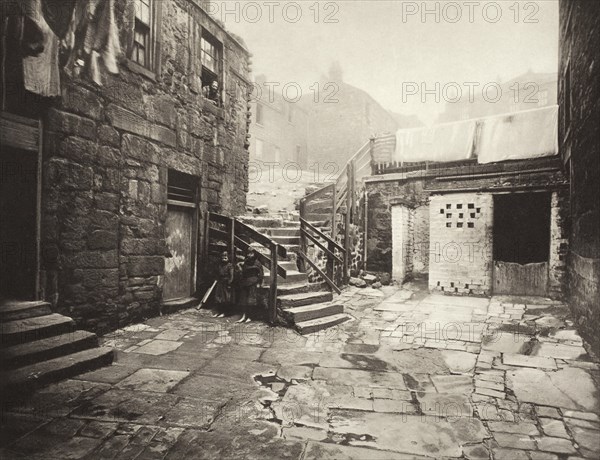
x: 522, y: 228
x: 181, y: 187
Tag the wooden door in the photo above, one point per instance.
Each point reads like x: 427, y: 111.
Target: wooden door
x: 516, y: 279
x: 180, y: 262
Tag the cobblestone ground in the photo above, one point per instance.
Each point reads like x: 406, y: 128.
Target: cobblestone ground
x: 412, y: 376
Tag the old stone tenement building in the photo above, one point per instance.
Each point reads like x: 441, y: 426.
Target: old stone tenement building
x: 109, y: 185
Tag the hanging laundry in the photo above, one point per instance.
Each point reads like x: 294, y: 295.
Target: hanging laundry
x: 58, y: 15
x: 445, y: 142
x: 41, y: 74
x: 93, y: 34
x: 519, y: 135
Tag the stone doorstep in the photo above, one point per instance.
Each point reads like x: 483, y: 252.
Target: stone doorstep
x: 31, y: 377
x: 28, y: 329
x: 22, y: 310
x: 52, y: 347
x: 316, y: 325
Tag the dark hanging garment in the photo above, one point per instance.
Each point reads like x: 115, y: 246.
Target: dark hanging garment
x: 58, y: 14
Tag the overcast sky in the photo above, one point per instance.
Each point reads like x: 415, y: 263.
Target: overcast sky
x: 383, y: 45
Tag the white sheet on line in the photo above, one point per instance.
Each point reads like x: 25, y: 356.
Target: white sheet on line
x: 518, y: 136
x: 445, y: 142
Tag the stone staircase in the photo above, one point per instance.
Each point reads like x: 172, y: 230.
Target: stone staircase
x: 308, y: 307
x: 38, y: 347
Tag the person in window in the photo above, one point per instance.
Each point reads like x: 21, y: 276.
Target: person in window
x: 211, y: 92
x: 251, y: 278
x: 224, y: 278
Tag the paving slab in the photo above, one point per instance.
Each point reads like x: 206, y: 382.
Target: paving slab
x: 411, y: 434
x: 158, y: 347
x: 460, y: 384
x: 360, y: 378
x: 554, y: 388
x: 528, y: 361
x: 158, y: 380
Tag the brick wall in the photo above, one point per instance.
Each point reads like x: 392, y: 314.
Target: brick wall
x: 460, y: 259
x: 402, y: 242
x: 106, y: 159
x: 579, y: 131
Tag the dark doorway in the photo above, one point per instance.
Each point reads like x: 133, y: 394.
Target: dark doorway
x: 18, y: 201
x: 521, y: 243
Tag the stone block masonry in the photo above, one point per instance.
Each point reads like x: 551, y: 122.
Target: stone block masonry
x: 460, y: 260
x: 579, y: 130
x: 106, y: 161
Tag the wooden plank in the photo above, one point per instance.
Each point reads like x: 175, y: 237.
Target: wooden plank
x: 266, y: 261
x: 38, y: 214
x: 317, y: 193
x: 181, y: 204
x: 260, y: 238
x: 348, y: 216
x: 516, y: 279
x: 219, y: 218
x: 219, y: 233
x: 273, y: 285
x: 320, y: 234
x: 321, y: 245
x: 333, y: 213
x: 18, y: 133
x: 320, y: 272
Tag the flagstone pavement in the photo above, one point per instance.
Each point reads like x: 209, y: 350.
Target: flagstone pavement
x: 412, y: 376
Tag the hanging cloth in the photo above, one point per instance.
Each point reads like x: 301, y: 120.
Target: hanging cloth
x: 41, y: 74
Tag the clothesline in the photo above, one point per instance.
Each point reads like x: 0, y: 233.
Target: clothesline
x: 519, y: 135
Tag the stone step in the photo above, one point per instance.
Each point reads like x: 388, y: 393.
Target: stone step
x: 319, y: 219
x: 19, y: 382
x: 313, y: 312
x: 262, y: 221
x: 293, y: 277
x: 30, y: 329
x: 285, y: 231
x: 11, y: 311
x: 298, y: 288
x: 39, y: 350
x: 286, y: 240
x: 315, y: 325
x: 291, y: 223
x: 303, y: 298
x: 289, y: 265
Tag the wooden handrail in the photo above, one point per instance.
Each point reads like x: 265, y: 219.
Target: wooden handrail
x: 317, y: 192
x: 320, y: 234
x: 235, y: 227
x: 266, y: 261
x: 320, y: 272
x: 321, y: 245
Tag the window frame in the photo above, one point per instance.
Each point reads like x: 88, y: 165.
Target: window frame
x: 217, y: 58
x: 151, y: 64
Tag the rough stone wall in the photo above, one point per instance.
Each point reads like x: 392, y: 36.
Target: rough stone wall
x: 559, y: 243
x: 106, y: 160
x: 579, y: 131
x: 379, y: 218
x: 461, y: 243
x: 421, y: 240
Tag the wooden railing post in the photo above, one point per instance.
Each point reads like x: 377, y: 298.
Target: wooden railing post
x: 349, y: 200
x: 330, y: 267
x: 232, y: 255
x: 273, y: 285
x: 206, y: 242
x: 303, y: 243
x: 333, y: 211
